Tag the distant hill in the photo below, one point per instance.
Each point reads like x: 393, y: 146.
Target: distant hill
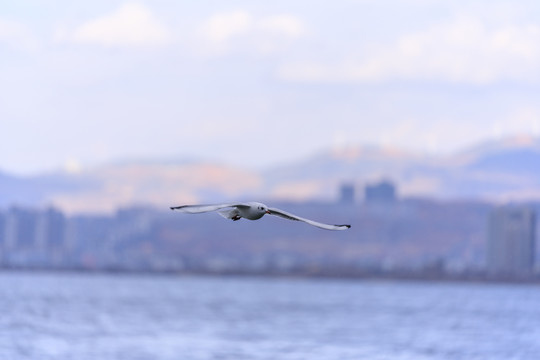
x: 105, y: 188
x: 498, y: 170
x: 321, y: 175
x: 502, y: 170
x: 15, y: 189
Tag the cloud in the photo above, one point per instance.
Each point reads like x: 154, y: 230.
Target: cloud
x: 522, y: 120
x: 223, y: 32
x: 16, y: 35
x: 131, y: 25
x: 465, y: 50
x: 284, y: 24
x: 220, y: 28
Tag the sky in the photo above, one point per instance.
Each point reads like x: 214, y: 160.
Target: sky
x: 256, y: 84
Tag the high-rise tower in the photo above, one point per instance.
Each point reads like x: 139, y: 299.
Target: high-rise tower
x: 511, y: 241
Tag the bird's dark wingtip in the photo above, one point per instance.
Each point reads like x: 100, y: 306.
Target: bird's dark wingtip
x: 343, y: 226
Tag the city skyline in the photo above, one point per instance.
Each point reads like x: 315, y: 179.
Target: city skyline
x: 416, y: 238
x: 86, y: 84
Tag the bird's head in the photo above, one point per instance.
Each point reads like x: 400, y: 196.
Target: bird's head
x: 263, y: 208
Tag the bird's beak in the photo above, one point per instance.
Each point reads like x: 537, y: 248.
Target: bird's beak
x: 268, y: 212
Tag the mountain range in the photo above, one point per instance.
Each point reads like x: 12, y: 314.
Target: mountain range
x: 503, y: 170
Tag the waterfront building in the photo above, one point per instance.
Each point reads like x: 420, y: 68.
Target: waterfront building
x: 383, y: 192
x: 511, y: 241
x: 50, y: 230
x: 2, y: 229
x: 346, y: 194
x: 20, y: 228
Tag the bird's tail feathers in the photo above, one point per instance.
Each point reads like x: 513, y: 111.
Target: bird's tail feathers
x: 228, y: 214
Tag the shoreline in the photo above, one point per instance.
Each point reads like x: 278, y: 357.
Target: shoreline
x: 311, y: 275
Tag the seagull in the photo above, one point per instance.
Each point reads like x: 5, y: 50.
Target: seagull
x: 251, y: 211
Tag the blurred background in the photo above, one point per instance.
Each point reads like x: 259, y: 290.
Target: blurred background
x: 415, y: 121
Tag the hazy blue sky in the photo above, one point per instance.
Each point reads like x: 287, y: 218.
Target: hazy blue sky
x: 259, y: 83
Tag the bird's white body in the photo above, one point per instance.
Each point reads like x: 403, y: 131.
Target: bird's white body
x: 251, y: 211
x: 254, y: 211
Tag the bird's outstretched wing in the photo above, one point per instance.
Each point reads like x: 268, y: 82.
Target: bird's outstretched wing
x: 195, y: 209
x: 290, y: 216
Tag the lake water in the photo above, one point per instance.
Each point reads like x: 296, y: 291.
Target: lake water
x: 80, y: 316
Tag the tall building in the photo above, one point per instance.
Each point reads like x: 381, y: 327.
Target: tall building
x: 346, y: 192
x: 27, y: 229
x: 50, y: 230
x: 511, y: 241
x: 20, y: 228
x: 382, y: 192
x: 2, y: 229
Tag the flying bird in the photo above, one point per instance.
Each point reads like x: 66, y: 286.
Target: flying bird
x: 251, y: 211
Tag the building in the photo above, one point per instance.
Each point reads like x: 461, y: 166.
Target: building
x: 511, y: 241
x: 20, y: 229
x: 50, y: 230
x: 346, y: 193
x: 2, y: 229
x: 383, y: 192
